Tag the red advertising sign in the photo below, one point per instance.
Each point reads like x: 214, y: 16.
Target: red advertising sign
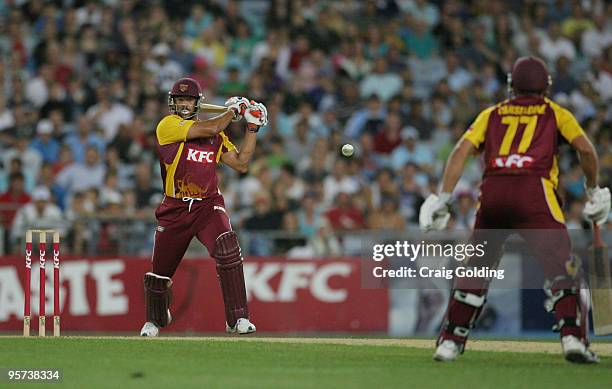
x: 106, y: 295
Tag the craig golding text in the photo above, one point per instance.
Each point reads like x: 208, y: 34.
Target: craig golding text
x: 426, y: 272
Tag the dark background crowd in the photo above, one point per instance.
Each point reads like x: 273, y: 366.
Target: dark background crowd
x: 83, y: 85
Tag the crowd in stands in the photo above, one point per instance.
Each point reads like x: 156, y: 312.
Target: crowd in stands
x: 83, y: 84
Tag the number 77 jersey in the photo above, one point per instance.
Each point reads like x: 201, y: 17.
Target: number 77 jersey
x: 520, y: 136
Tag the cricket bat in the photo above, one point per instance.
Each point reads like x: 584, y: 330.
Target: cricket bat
x: 212, y: 108
x: 601, y: 284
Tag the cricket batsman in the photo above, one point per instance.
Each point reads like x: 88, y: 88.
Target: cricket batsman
x: 519, y: 141
x: 189, y: 150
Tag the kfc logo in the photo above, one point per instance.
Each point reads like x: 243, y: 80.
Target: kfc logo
x: 513, y: 161
x: 295, y: 277
x: 200, y: 156
x: 183, y: 87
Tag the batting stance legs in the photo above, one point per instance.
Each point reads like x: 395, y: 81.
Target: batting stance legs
x: 178, y: 224
x: 536, y: 216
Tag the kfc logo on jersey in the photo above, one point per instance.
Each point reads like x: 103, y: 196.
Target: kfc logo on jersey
x: 200, y: 156
x: 514, y: 161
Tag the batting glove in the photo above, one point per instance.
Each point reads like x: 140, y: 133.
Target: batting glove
x: 434, y: 214
x: 238, y: 105
x: 256, y: 116
x: 597, y: 207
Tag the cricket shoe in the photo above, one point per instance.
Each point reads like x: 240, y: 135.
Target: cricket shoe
x: 243, y: 326
x: 447, y: 351
x: 577, y: 352
x: 149, y: 329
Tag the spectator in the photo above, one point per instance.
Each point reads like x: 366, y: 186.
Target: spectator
x: 323, y: 244
x: 553, y: 45
x: 368, y: 119
x: 259, y: 180
x: 44, y: 143
x: 308, y: 217
x: 381, y: 82
x: 277, y: 155
x: 316, y: 171
x: 110, y: 192
x: 164, y: 70
x: 419, y: 120
x: 6, y: 116
x: 355, y: 65
x: 210, y: 46
x: 465, y: 211
x: 233, y: 85
x: 385, y: 186
x: 198, y: 21
x: 411, y: 150
x: 479, y: 51
x: 37, y: 89
x: 295, y: 186
x: 29, y: 159
x: 242, y: 45
x: 126, y: 143
x: 422, y: 10
x: 458, y: 77
x: 339, y: 182
x: 574, y: 216
x: 298, y: 144
x: 83, y: 138
x: 265, y: 216
x: 387, y: 217
x: 47, y: 179
x: 12, y: 199
x: 108, y: 115
x: 41, y: 213
x: 307, y: 113
x: 410, y: 194
x: 596, y: 38
x: 420, y: 40
x: 80, y: 176
x: 343, y: 215
x: 145, y: 192
x: 564, y: 81
x: 389, y: 137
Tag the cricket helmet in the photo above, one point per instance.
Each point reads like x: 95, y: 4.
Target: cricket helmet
x: 185, y: 87
x: 529, y: 75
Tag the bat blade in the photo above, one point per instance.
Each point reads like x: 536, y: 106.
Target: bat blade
x: 600, y: 285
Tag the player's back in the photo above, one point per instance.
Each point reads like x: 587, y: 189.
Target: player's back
x: 520, y: 136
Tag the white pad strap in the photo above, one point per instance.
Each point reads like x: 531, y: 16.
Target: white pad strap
x: 461, y: 331
x: 158, y: 276
x: 469, y: 298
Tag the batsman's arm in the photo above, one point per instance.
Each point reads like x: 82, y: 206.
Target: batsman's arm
x: 589, y: 162
x: 210, y: 127
x: 239, y: 159
x: 455, y: 164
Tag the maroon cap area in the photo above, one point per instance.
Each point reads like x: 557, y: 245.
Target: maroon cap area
x: 186, y: 87
x: 530, y: 74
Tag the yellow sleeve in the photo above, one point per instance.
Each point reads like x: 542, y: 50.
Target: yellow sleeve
x: 226, y: 145
x: 566, y: 123
x: 475, y: 134
x: 172, y: 129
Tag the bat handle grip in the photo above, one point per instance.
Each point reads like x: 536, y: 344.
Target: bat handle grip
x: 597, y: 235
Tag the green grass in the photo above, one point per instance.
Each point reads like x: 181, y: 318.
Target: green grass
x: 180, y: 363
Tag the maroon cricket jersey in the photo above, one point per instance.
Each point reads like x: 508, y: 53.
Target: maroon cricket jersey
x: 520, y: 136
x: 188, y: 167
